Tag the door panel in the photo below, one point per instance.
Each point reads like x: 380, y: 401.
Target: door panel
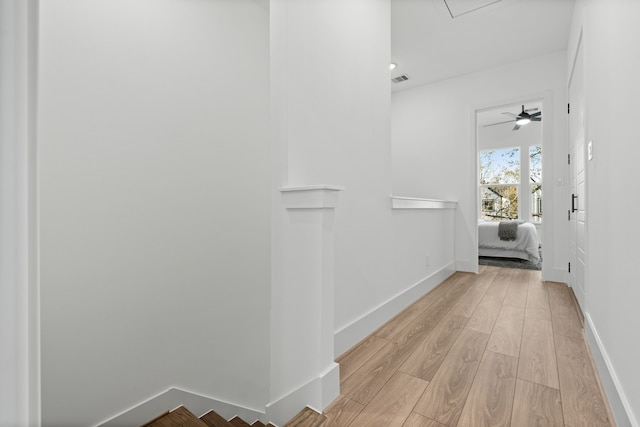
x: 577, y: 146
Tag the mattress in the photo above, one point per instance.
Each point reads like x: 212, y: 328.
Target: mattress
x: 525, y: 246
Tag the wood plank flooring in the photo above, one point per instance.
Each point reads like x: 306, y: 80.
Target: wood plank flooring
x: 500, y: 348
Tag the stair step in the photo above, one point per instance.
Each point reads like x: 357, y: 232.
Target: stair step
x: 182, y: 417
x: 239, y: 422
x: 179, y: 417
x: 213, y: 419
x: 307, y: 418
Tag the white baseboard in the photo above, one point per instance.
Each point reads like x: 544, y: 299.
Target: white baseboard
x: 467, y: 266
x: 350, y: 335
x: 316, y: 394
x: 618, y: 402
x: 554, y: 275
x: 174, y: 397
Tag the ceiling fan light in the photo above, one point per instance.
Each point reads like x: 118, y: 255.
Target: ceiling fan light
x: 523, y: 121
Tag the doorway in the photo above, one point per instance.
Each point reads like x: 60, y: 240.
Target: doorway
x: 510, y: 186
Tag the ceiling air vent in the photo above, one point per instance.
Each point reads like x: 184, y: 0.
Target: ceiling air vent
x: 400, y: 79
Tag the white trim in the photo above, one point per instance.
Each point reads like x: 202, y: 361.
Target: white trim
x: 349, y: 335
x: 467, y: 266
x: 312, y: 187
x: 398, y: 202
x: 311, y: 196
x: 174, y: 397
x: 474, y: 190
x: 330, y: 385
x: 19, y: 289
x: 618, y: 402
x: 317, y: 394
x: 546, y: 97
x: 580, y: 292
x: 554, y: 274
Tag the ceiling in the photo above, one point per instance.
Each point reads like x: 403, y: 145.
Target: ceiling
x: 429, y: 45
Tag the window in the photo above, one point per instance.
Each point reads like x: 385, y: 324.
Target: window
x: 502, y: 194
x: 535, y: 174
x: 499, y: 183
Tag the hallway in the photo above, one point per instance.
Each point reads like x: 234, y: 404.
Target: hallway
x: 501, y: 348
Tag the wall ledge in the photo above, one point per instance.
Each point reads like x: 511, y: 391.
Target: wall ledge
x: 398, y: 202
x: 311, y: 196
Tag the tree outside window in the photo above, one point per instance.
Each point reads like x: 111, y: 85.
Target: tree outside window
x: 499, y: 183
x: 501, y: 187
x: 535, y: 173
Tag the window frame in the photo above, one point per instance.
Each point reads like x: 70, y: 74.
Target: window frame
x: 532, y: 184
x: 482, y: 187
x: 525, y: 188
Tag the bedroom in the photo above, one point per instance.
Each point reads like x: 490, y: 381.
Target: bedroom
x: 511, y: 185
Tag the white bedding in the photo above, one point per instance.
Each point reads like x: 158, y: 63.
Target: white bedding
x: 526, y: 246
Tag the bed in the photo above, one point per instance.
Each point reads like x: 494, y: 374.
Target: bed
x: 526, y: 246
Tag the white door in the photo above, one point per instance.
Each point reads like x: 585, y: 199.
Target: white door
x: 577, y: 147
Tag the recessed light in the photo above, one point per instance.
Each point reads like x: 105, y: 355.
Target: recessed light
x: 392, y: 65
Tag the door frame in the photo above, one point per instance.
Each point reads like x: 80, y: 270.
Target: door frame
x: 546, y: 98
x: 19, y: 258
x: 585, y: 202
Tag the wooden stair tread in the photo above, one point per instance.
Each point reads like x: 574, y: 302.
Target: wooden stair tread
x: 182, y: 417
x: 213, y: 419
x: 307, y: 418
x: 179, y: 417
x: 239, y: 422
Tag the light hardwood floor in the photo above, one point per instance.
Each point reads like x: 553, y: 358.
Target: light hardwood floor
x: 501, y: 348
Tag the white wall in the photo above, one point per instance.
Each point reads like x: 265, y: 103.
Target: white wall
x: 19, y: 311
x: 423, y: 243
x: 433, y: 148
x: 610, y: 31
x: 309, y: 48
x: 337, y: 132
x: 155, y: 220
x: 330, y: 124
x: 157, y: 211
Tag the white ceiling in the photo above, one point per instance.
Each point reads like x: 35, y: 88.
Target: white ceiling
x: 429, y: 45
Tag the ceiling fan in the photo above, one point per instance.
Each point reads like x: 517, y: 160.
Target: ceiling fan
x: 522, y: 119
